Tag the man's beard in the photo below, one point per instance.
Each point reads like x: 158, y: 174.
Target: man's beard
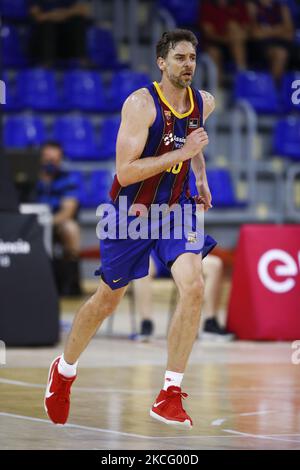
x: 178, y: 82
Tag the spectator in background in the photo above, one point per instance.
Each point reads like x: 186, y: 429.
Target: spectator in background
x: 59, y: 30
x: 59, y: 190
x: 225, y: 29
x: 213, y: 277
x: 272, y: 34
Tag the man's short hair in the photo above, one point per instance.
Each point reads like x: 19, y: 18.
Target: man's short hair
x: 51, y: 143
x: 169, y: 40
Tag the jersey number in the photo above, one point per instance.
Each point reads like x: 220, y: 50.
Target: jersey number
x: 175, y: 169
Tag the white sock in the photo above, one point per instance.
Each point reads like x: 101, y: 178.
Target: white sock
x: 172, y: 379
x: 65, y: 369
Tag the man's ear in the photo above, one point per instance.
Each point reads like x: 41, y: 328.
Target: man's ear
x: 161, y: 63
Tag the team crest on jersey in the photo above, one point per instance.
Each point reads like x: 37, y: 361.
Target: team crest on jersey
x: 192, y: 237
x: 193, y: 123
x: 168, y: 115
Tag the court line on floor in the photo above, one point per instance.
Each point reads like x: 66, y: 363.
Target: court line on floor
x: 219, y: 421
x: 259, y: 436
x: 110, y: 431
x: 142, y: 392
x: 73, y: 426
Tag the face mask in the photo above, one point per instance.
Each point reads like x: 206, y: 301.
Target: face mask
x: 50, y: 168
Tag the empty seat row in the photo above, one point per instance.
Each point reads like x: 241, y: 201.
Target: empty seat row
x: 259, y: 89
x: 82, y: 140
x: 78, y: 136
x: 14, y: 9
x: 100, y: 46
x: 222, y: 188
x: 39, y: 89
x: 92, y: 188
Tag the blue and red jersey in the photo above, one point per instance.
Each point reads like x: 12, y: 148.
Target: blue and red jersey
x: 167, y: 133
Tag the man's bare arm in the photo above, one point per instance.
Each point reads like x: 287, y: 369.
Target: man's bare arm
x: 68, y: 208
x: 198, y: 162
x: 138, y: 114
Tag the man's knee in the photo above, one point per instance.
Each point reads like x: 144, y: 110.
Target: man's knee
x: 192, y: 288
x: 212, y: 263
x: 106, y: 300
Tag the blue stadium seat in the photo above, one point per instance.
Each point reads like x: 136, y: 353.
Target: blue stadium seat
x: 102, y: 49
x: 93, y: 188
x: 38, y: 89
x: 14, y: 9
x: 76, y: 135
x: 221, y: 187
x: 78, y: 178
x: 286, y: 138
x: 14, y: 46
x: 183, y: 14
x: 23, y: 131
x: 258, y: 89
x: 13, y: 99
x: 123, y: 84
x: 101, y: 184
x: 84, y: 90
x: 108, y: 139
x: 288, y: 92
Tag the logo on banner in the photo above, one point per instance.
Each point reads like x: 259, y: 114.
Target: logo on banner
x: 19, y: 247
x: 286, y: 271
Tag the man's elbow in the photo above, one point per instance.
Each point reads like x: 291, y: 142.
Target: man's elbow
x: 123, y: 178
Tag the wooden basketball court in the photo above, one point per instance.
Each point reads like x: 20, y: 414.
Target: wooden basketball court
x: 242, y: 395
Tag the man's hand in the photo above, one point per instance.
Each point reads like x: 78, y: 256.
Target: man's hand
x: 204, y: 196
x: 195, y: 143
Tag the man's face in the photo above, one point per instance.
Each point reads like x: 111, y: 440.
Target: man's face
x: 179, y: 65
x: 51, y: 155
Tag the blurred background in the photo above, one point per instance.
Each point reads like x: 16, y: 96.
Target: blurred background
x: 69, y: 65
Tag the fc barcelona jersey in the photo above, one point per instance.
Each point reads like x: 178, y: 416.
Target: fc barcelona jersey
x: 167, y: 133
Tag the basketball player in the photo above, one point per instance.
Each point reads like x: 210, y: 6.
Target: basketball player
x: 160, y: 136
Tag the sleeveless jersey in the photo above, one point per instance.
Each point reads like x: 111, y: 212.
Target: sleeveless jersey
x: 167, y: 133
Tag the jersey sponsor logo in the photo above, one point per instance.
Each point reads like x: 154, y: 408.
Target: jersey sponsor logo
x: 170, y: 137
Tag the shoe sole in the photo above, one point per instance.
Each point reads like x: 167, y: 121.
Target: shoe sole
x: 182, y: 424
x: 45, y: 406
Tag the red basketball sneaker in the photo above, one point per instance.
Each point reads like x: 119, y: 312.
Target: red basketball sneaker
x: 57, y: 396
x: 168, y: 408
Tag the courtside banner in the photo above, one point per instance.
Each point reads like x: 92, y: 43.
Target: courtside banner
x: 28, y: 297
x: 265, y: 296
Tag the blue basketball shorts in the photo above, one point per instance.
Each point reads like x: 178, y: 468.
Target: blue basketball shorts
x: 126, y: 259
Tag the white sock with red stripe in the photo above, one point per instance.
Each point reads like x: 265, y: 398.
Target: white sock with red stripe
x: 65, y: 369
x: 172, y: 379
